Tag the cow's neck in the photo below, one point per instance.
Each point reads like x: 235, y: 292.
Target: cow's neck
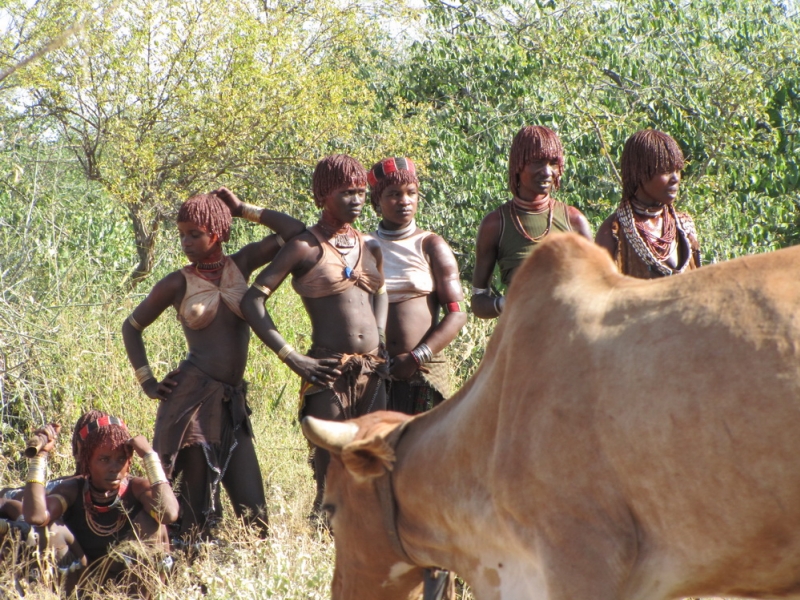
x: 438, y: 479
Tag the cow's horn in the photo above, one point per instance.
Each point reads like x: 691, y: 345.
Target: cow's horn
x: 331, y: 435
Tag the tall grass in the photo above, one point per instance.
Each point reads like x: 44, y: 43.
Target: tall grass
x: 66, y: 250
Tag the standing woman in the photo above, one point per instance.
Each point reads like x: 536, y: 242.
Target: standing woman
x: 203, y: 431
x: 646, y: 236
x: 421, y: 278
x: 338, y: 274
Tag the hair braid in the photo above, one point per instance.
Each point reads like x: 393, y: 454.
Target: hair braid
x: 336, y: 171
x: 209, y: 212
x: 535, y: 142
x: 648, y: 153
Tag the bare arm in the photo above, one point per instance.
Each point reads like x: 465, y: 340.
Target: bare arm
x: 448, y: 290
x: 158, y: 499
x: 605, y: 237
x: 164, y: 294
x: 380, y: 302
x: 580, y: 224
x: 37, y: 507
x: 485, y: 260
x: 290, y: 259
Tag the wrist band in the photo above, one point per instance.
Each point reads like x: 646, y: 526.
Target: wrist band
x: 497, y: 308
x: 134, y: 323
x: 285, y: 351
x: 37, y: 470
x: 263, y: 289
x: 143, y: 374
x: 381, y: 335
x: 481, y: 291
x: 251, y: 213
x: 280, y: 240
x: 154, y: 469
x: 422, y: 354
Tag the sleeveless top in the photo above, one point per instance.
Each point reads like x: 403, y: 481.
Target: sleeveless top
x: 331, y: 275
x: 201, y: 301
x: 514, y: 247
x: 405, y: 266
x: 95, y: 545
x: 630, y: 263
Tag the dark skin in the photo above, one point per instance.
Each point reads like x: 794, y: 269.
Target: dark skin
x: 108, y: 467
x: 535, y: 184
x: 347, y: 323
x: 659, y: 191
x: 219, y: 350
x: 414, y: 321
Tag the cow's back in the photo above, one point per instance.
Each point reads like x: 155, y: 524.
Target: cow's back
x: 652, y: 423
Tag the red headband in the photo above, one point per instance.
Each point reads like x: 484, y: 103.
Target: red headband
x: 101, y: 422
x: 389, y: 165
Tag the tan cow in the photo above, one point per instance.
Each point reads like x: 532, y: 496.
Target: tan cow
x: 622, y: 439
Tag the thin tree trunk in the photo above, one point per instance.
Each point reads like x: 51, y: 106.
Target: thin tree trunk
x: 145, y: 231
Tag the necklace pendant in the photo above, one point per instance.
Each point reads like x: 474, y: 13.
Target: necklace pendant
x: 342, y: 240
x: 348, y: 273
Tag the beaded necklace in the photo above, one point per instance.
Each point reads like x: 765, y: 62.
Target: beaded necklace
x: 519, y: 227
x: 91, y: 509
x: 344, y: 238
x: 639, y: 242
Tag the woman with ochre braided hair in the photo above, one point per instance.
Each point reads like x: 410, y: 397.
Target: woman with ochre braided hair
x: 338, y: 274
x: 421, y: 279
x: 508, y: 234
x: 646, y: 236
x: 203, y: 432
x: 103, y: 504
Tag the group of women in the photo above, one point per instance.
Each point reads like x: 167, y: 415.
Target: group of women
x: 383, y: 307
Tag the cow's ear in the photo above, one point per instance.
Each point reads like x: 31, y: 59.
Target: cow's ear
x: 367, y: 459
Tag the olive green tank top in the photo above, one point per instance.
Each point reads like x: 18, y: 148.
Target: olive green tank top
x: 514, y: 247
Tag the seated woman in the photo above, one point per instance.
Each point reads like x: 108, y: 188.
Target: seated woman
x: 338, y: 275
x: 103, y: 504
x: 202, y: 432
x: 421, y: 278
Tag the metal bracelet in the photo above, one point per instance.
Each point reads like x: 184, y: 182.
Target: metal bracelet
x: 251, y: 213
x: 497, y: 308
x: 154, y: 469
x: 134, y: 323
x: 285, y: 351
x: 422, y: 354
x: 143, y: 374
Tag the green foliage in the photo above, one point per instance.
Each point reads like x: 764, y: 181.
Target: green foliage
x: 720, y: 77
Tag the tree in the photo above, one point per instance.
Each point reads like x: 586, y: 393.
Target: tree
x: 162, y: 98
x: 722, y: 77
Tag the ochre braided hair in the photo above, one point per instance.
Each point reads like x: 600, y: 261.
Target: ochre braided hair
x: 112, y: 435
x: 390, y: 171
x: 334, y: 172
x: 83, y: 420
x: 209, y: 212
x: 534, y: 142
x: 648, y: 153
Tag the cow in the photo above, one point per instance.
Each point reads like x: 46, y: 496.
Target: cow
x: 621, y: 439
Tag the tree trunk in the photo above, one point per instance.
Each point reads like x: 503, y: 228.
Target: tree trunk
x: 145, y: 230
